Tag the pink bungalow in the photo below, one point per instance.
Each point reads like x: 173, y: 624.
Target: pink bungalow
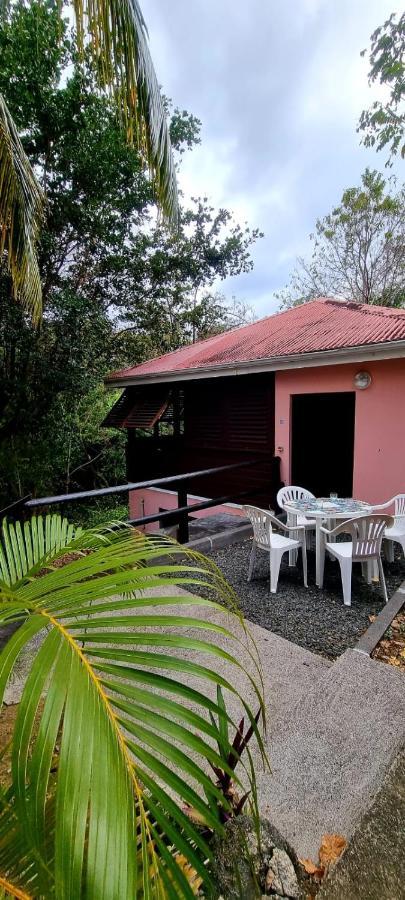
x: 315, y: 394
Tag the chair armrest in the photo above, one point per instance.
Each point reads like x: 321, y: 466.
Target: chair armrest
x: 343, y: 528
x: 292, y: 527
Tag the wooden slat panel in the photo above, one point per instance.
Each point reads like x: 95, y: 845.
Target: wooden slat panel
x: 138, y: 408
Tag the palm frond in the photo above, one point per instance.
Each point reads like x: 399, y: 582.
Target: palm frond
x: 116, y: 693
x: 118, y: 41
x: 22, y: 205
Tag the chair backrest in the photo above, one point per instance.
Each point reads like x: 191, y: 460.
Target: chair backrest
x: 292, y: 492
x: 399, y: 505
x: 367, y: 533
x: 262, y: 523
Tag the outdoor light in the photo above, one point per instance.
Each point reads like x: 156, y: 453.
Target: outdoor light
x: 362, y: 380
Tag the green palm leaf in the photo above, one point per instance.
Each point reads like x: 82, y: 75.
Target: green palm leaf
x: 110, y: 694
x: 22, y: 203
x: 117, y: 35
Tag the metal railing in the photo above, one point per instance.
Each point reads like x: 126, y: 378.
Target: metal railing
x: 180, y: 514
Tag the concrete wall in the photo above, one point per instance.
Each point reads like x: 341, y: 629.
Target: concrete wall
x: 148, y: 502
x: 379, y: 440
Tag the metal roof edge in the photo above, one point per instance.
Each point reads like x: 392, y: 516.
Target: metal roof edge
x: 340, y: 356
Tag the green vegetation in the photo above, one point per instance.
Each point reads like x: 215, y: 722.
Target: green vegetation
x: 114, y: 38
x: 384, y: 123
x: 358, y: 249
x: 118, y: 286
x: 115, y: 728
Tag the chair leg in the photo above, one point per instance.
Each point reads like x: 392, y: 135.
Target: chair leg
x: 346, y: 573
x: 275, y: 563
x: 389, y: 550
x: 252, y: 561
x: 304, y: 560
x: 382, y: 579
x: 321, y: 562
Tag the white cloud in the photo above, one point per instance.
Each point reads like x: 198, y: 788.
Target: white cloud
x: 279, y: 89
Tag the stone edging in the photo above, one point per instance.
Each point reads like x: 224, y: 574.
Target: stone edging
x: 375, y: 631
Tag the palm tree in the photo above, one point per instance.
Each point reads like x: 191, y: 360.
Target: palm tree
x: 115, y: 35
x: 111, y: 733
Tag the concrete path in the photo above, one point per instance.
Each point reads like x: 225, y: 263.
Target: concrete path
x: 333, y: 729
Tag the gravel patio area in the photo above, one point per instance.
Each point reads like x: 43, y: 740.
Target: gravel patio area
x: 313, y: 618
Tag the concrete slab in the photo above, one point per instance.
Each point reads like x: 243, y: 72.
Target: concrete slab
x: 373, y: 866
x: 330, y: 755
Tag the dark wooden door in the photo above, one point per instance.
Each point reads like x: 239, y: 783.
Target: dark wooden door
x: 322, y: 434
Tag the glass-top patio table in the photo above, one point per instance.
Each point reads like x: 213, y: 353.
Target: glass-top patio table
x: 325, y: 509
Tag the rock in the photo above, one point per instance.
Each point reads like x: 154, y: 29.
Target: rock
x: 284, y: 881
x: 268, y: 884
x: 241, y: 863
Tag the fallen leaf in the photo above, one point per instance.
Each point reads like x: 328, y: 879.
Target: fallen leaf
x: 331, y: 848
x: 312, y: 868
x: 372, y: 618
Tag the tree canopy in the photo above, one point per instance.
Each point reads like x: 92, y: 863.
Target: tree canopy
x: 358, y: 248
x: 113, y: 37
x: 118, y: 285
x: 383, y: 123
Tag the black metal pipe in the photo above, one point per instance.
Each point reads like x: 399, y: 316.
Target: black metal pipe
x: 174, y: 513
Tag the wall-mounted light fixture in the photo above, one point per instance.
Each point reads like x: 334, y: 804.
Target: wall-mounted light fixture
x: 362, y: 380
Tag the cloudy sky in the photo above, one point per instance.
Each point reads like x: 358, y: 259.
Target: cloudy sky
x: 279, y: 88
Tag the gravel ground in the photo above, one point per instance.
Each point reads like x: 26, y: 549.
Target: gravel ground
x: 314, y: 619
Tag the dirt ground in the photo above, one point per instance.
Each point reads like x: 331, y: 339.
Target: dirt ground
x: 391, y: 648
x: 7, y: 720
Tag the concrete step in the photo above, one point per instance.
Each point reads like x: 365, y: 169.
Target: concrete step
x: 373, y: 866
x: 330, y: 752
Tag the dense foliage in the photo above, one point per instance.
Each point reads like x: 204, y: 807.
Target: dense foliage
x: 358, y: 249
x: 383, y: 123
x: 117, y: 285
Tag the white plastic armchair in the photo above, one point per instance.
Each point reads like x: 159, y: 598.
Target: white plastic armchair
x: 266, y: 536
x: 366, y: 534
x: 293, y: 492
x: 396, y: 533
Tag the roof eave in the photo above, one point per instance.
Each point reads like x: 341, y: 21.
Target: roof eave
x: 361, y: 353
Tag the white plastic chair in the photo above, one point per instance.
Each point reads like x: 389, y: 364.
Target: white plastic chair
x: 265, y: 538
x: 367, y: 533
x: 395, y: 534
x: 292, y: 492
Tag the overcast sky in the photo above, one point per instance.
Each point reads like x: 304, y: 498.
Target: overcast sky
x: 279, y: 87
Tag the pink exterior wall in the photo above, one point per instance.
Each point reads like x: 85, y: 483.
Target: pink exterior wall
x: 148, y: 502
x: 379, y: 439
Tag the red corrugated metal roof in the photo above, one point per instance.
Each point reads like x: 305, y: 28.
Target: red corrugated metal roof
x: 323, y: 324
